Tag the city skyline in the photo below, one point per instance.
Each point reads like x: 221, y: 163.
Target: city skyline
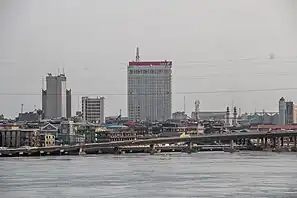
x: 250, y: 52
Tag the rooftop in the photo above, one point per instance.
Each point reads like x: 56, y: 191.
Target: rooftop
x: 150, y: 63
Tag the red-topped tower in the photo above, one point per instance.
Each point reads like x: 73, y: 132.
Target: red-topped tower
x: 149, y: 89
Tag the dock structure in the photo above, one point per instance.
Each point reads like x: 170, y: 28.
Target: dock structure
x: 265, y: 140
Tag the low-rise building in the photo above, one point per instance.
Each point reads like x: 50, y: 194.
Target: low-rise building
x: 122, y: 135
x: 15, y: 138
x: 28, y: 116
x: 278, y: 127
x: 47, y: 139
x: 179, y: 115
x: 10, y: 126
x: 209, y: 115
x: 191, y: 130
x: 67, y: 134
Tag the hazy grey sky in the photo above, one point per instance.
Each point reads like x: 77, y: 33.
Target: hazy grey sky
x: 93, y: 41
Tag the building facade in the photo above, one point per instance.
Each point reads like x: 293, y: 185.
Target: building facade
x: 291, y: 113
x: 56, y: 99
x: 93, y: 109
x: 149, y: 90
x: 282, y: 111
x: 179, y: 115
x: 28, y: 116
x: 259, y: 118
x: 207, y: 115
x: 15, y: 138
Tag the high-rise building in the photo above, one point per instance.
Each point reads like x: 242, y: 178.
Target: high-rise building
x: 56, y: 99
x: 291, y: 113
x: 282, y: 111
x: 294, y: 113
x: 93, y: 109
x: 149, y: 90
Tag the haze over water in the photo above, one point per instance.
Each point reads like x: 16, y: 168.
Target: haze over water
x: 244, y: 174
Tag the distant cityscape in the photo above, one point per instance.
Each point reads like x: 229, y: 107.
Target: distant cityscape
x: 149, y: 96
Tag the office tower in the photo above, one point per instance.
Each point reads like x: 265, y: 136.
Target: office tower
x: 282, y: 111
x: 93, y: 109
x: 56, y: 99
x: 149, y: 90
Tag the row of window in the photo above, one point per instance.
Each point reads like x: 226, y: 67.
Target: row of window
x: 143, y: 92
x: 49, y: 142
x: 49, y: 137
x: 149, y: 71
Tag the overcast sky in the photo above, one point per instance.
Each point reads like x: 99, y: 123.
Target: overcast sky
x: 214, y: 45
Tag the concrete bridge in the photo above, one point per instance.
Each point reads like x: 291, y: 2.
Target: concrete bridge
x: 277, y: 138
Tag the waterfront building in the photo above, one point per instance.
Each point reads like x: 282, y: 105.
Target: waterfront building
x: 93, y: 109
x: 265, y: 127
x: 10, y: 126
x: 56, y: 99
x: 67, y: 133
x: 149, y: 90
x: 191, y: 130
x: 15, y: 138
x: 47, y: 139
x: 48, y: 135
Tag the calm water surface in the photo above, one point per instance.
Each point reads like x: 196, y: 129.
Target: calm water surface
x: 244, y: 174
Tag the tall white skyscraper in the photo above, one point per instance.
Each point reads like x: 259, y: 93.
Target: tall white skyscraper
x: 56, y: 99
x: 149, y: 90
x: 93, y: 109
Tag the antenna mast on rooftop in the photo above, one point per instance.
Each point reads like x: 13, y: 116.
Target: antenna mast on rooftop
x: 137, y: 54
x: 185, y: 104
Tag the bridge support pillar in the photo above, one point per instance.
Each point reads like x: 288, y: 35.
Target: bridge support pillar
x: 81, y: 151
x: 189, y: 147
x: 282, y: 141
x: 152, y: 149
x: 265, y: 143
x: 232, y: 144
x: 274, y: 142
x: 295, y: 144
x: 258, y: 142
x: 262, y: 142
x: 239, y: 142
x: 231, y: 148
x: 116, y: 150
x: 277, y: 142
